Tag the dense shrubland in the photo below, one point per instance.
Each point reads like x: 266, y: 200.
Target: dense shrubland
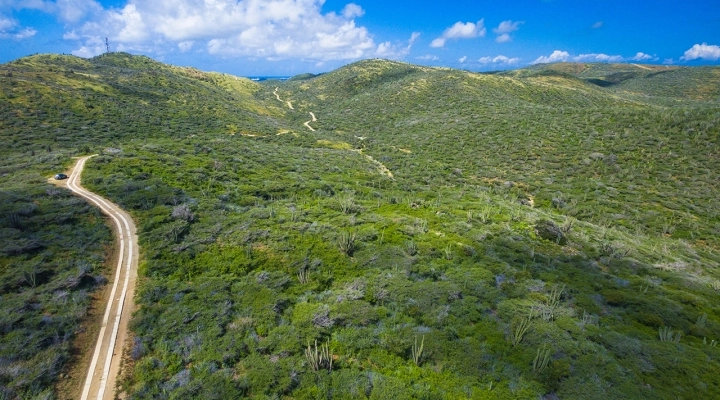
x: 52, y: 249
x: 541, y: 234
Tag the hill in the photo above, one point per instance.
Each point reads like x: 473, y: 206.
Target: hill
x: 384, y: 230
x: 666, y: 85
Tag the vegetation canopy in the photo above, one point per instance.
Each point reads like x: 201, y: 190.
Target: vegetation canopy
x: 381, y: 231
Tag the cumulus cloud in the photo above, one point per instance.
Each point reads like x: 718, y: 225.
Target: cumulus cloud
x: 564, y: 56
x: 640, y: 56
x: 463, y: 59
x: 504, y: 38
x: 594, y: 57
x: 461, y: 30
x: 702, y: 51
x: 507, y: 27
x: 396, y: 51
x: 556, y: 56
x: 270, y: 29
x: 353, y: 10
x: 92, y: 47
x: 502, y: 60
x: 9, y: 29
x: 504, y: 30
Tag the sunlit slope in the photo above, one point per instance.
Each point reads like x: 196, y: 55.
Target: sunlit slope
x: 115, y: 96
x: 666, y: 85
x: 596, y: 152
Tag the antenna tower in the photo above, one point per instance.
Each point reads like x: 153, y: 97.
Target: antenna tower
x: 107, y: 45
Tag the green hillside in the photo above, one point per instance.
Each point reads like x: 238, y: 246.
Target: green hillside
x: 665, y: 85
x: 425, y: 233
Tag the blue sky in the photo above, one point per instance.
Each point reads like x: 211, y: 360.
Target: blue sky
x: 286, y: 37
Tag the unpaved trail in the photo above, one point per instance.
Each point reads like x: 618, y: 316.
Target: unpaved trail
x: 643, y: 67
x: 104, y: 366
x: 290, y: 106
x: 383, y: 169
x: 276, y: 94
x: 307, y: 123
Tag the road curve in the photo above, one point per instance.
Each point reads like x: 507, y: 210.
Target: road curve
x: 105, y: 364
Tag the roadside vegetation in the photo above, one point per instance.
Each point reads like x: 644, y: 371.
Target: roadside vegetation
x: 52, y: 250
x: 540, y: 234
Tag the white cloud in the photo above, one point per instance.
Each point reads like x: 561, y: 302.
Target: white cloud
x: 460, y: 30
x: 6, y: 24
x: 131, y: 26
x: 438, y: 42
x: 396, y: 51
x: 9, y: 29
x: 72, y: 35
x: 413, y: 37
x: 564, y: 56
x: 505, y: 29
x: 353, y: 10
x: 385, y: 49
x: 702, y: 51
x: 92, y: 47
x: 598, y: 25
x: 640, y: 56
x: 24, y: 34
x: 594, y: 57
x: 86, y: 52
x: 499, y: 60
x: 428, y: 57
x: 504, y: 38
x: 270, y: 29
x: 462, y: 59
x: 556, y: 56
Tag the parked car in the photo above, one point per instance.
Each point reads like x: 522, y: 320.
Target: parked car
x: 60, y: 176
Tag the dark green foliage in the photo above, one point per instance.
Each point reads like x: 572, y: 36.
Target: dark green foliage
x: 547, y: 230
x: 51, y: 254
x: 302, y: 77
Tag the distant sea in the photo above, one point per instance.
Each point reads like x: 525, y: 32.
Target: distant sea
x: 267, y: 78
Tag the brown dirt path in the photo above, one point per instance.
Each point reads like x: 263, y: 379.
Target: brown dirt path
x: 104, y: 365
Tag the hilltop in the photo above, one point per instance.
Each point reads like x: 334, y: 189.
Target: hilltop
x: 384, y: 230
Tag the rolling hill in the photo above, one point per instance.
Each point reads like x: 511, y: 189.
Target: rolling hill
x: 395, y: 231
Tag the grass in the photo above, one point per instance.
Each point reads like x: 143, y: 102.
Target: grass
x: 524, y: 208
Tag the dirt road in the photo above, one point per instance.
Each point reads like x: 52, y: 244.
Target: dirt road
x: 104, y: 366
x: 381, y: 167
x: 307, y: 124
x: 643, y: 67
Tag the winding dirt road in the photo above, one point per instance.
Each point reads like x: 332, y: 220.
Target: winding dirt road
x: 289, y: 104
x: 105, y: 364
